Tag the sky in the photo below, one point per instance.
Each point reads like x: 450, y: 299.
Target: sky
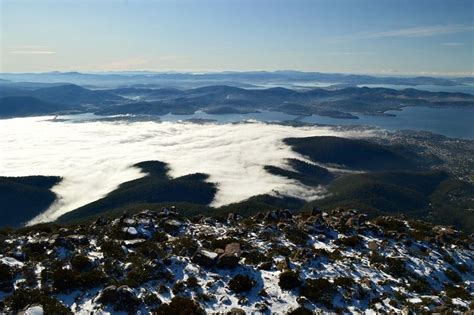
x: 422, y: 37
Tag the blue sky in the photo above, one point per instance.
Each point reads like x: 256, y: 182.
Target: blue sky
x: 429, y: 37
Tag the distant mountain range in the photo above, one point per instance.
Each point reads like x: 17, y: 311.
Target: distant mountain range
x: 26, y: 99
x: 229, y: 77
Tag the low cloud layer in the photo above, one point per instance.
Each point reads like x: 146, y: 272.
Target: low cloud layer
x: 95, y: 157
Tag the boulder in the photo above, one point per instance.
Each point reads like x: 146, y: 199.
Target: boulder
x: 277, y: 215
x: 231, y: 217
x: 134, y: 243
x: 172, y: 226
x: 373, y: 246
x: 204, y: 258
x: 231, y: 256
x: 33, y: 309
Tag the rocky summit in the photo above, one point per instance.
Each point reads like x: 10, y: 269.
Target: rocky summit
x: 277, y: 262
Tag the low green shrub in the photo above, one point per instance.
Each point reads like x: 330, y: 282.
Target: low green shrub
x: 6, y: 273
x: 81, y: 263
x: 301, y: 310
x: 453, y: 275
x: 350, y: 241
x: 21, y: 298
x: 457, y: 292
x: 289, y: 280
x: 241, y: 283
x: 179, y: 306
x: 319, y: 291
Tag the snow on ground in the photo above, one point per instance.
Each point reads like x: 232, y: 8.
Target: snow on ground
x: 402, y: 272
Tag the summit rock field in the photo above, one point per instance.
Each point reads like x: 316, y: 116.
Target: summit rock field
x: 275, y: 262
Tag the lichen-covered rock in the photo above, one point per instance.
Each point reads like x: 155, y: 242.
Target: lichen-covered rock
x: 230, y: 257
x: 205, y: 258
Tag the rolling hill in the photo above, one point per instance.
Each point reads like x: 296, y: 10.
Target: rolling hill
x: 23, y: 198
x: 74, y: 95
x: 353, y: 153
x: 155, y: 187
x: 343, y: 103
x: 21, y: 106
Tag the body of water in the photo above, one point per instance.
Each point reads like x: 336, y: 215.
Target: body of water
x: 456, y: 122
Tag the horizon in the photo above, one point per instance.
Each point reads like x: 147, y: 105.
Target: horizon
x: 190, y: 72
x: 429, y: 38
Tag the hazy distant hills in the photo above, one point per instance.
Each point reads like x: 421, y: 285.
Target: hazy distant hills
x: 18, y: 101
x: 75, y: 95
x: 217, y: 99
x: 236, y: 78
x: 340, y: 103
x: 20, y: 106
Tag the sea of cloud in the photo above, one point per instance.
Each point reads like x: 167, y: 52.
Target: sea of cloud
x: 95, y: 157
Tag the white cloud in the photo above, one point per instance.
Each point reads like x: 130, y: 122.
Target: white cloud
x: 410, y: 32
x: 125, y: 64
x: 349, y: 53
x: 452, y: 44
x: 140, y: 63
x: 424, y: 31
x: 32, y: 52
x: 95, y: 157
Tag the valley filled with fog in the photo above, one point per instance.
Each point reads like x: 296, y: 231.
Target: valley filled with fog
x: 94, y: 157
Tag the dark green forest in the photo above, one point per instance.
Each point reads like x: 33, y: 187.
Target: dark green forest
x: 23, y: 198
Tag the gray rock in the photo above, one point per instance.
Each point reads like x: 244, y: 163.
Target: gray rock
x: 231, y: 256
x: 172, y: 226
x: 204, y: 258
x: 373, y: 246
